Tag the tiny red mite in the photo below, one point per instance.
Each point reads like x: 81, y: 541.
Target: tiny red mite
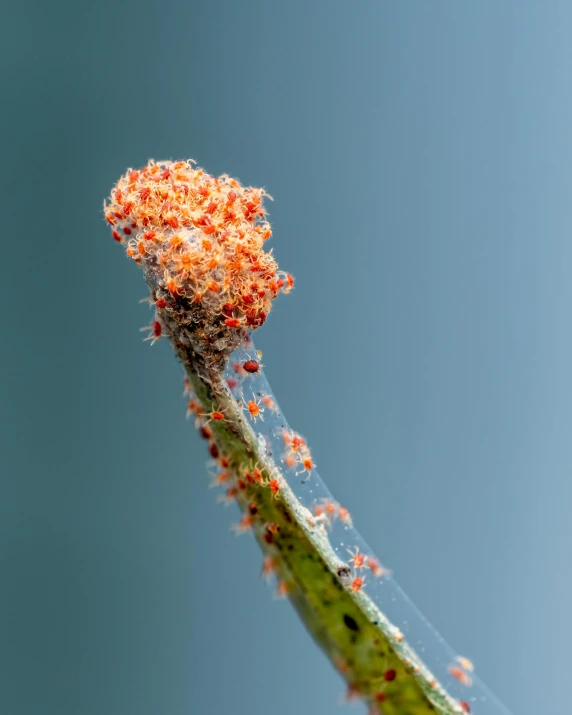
x: 357, y: 583
x: 251, y: 366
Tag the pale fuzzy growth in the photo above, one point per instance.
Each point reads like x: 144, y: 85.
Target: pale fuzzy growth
x: 200, y: 242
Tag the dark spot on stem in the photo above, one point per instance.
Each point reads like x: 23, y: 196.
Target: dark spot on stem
x: 350, y: 623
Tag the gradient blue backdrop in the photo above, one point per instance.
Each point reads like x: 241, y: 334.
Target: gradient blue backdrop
x: 419, y: 154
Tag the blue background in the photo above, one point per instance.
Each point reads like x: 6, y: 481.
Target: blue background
x: 419, y: 154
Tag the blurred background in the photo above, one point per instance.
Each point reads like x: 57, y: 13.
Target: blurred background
x: 419, y: 154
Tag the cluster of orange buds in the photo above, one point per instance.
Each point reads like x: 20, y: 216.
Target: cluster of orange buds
x: 201, y: 240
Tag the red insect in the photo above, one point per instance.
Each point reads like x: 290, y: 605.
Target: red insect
x: 465, y: 705
x: 269, y: 402
x: 274, y: 486
x: 229, y: 496
x: 215, y: 416
x: 376, y: 569
x: 244, y: 524
x: 465, y: 663
x: 330, y: 508
x: 282, y: 589
x: 460, y: 675
x: 254, y: 409
x: 308, y: 464
x: 268, y: 566
x: 220, y: 478
x: 155, y: 331
x: 290, y: 461
x: 270, y: 532
x: 251, y: 366
x: 194, y: 408
x: 297, y: 443
x: 206, y: 433
x: 357, y: 558
x: 357, y: 584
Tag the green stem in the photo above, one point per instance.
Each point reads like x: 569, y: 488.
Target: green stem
x: 371, y: 654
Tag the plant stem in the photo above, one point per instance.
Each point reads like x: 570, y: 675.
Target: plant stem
x: 371, y: 654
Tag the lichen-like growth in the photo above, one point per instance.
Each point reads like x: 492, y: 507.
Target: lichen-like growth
x: 200, y: 242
